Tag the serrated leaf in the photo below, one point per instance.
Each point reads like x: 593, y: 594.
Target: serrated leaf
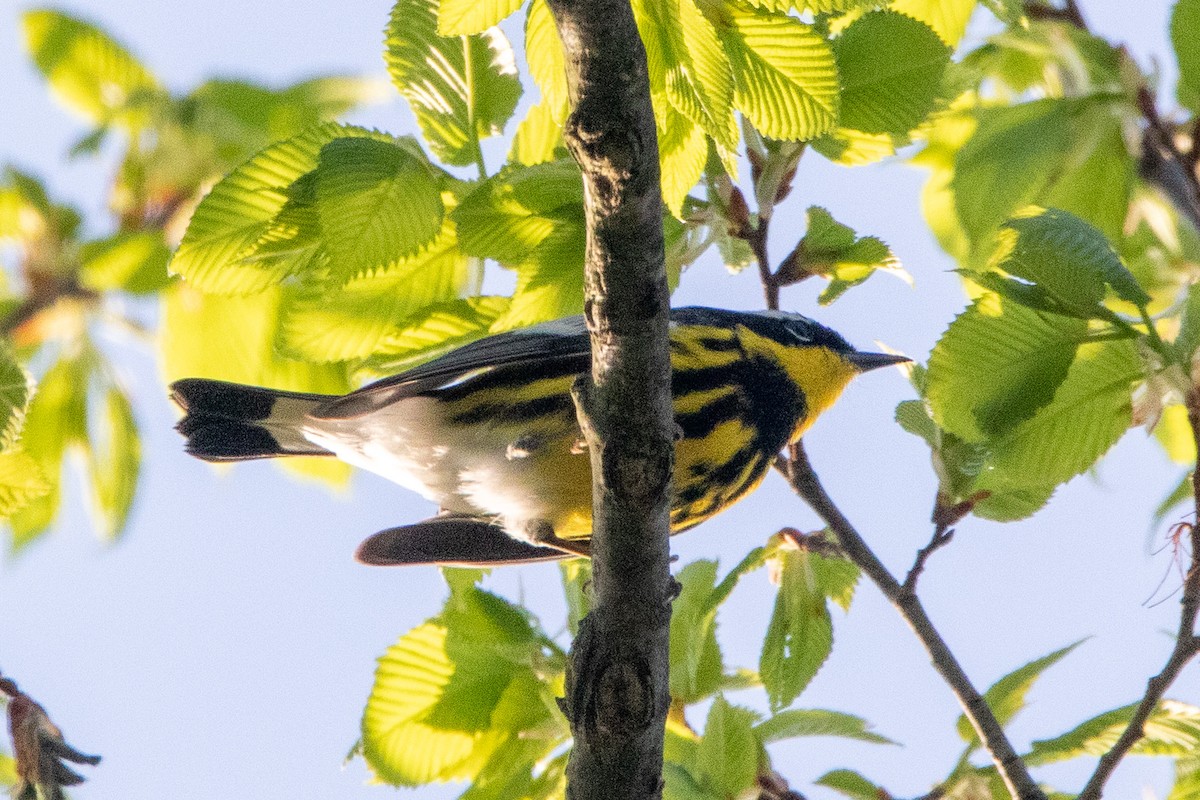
x: 435, y: 330
x: 1046, y: 152
x: 813, y: 6
x: 727, y: 758
x: 852, y: 148
x: 56, y: 421
x: 1009, y: 503
x: 891, y: 70
x: 997, y: 364
x: 798, y: 722
x: 114, y: 461
x: 134, y: 262
x: 16, y: 387
x: 238, y: 218
x: 509, y: 215
x: 544, y: 52
x: 832, y: 250
x: 549, y: 281
x: 1090, y: 412
x: 689, y: 65
x: 462, y: 17
x: 88, y: 70
x: 914, y: 417
x: 851, y: 784
x: 682, y: 153
x: 1185, y: 21
x: 1187, y: 779
x: 1006, y: 697
x: 453, y: 692
x: 1065, y: 257
x: 785, y: 75
x: 376, y: 202
x: 696, y: 666
x: 800, y: 634
x: 1173, y: 729
x: 948, y: 18
x: 461, y: 89
x: 539, y: 136
x: 21, y: 482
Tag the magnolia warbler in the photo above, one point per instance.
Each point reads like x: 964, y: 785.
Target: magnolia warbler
x: 489, y: 432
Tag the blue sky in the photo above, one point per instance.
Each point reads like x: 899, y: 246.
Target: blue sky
x: 225, y: 647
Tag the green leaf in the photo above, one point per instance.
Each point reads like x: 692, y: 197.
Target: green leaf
x: 454, y: 691
x: 56, y: 421
x: 549, y: 282
x: 891, y: 70
x: 1185, y: 21
x: 509, y: 215
x: 688, y: 63
x: 785, y: 76
x: 682, y: 153
x: 114, y: 461
x: 16, y: 387
x: 1173, y: 729
x: 832, y: 250
x: 376, y: 202
x: 727, y: 758
x: 1187, y: 779
x: 461, y: 89
x: 852, y: 148
x: 800, y: 634
x: 89, y: 71
x: 852, y: 784
x: 435, y: 330
x: 544, y: 52
x: 813, y: 6
x: 576, y: 578
x: 816, y: 722
x: 1006, y: 697
x: 462, y: 17
x: 947, y: 17
x: 914, y: 417
x: 21, y: 482
x: 236, y: 224
x: 1066, y: 153
x: 539, y: 136
x: 1090, y: 412
x: 134, y: 262
x: 1009, y: 503
x: 997, y: 364
x: 696, y: 666
x: 233, y: 339
x: 1067, y: 258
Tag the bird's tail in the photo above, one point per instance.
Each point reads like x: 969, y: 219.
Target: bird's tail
x: 233, y: 422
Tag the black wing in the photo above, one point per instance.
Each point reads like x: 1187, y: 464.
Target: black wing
x: 552, y: 346
x: 451, y: 540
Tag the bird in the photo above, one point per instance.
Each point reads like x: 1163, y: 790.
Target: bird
x: 489, y: 432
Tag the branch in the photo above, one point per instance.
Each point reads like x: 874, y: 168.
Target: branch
x: 617, y: 693
x: 1187, y: 642
x: 1012, y: 769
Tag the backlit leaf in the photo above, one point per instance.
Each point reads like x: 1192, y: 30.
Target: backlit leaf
x: 851, y: 784
x: 1185, y: 21
x: 785, y: 75
x: 86, y: 68
x: 1173, y: 729
x: 1089, y: 413
x: 816, y: 722
x: 1006, y: 697
x: 460, y: 17
x: 461, y: 89
x: 947, y: 17
x: 377, y: 204
x: 114, y: 460
x: 15, y: 390
x: 435, y: 330
x: 997, y: 364
x: 727, y: 758
x: 133, y: 262
x: 891, y: 70
x: 21, y: 481
x: 800, y: 633
x: 695, y: 655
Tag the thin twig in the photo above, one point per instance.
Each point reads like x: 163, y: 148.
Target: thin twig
x: 1187, y: 642
x: 1009, y: 765
x: 941, y: 537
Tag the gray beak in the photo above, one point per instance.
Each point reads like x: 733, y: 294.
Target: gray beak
x: 869, y: 361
